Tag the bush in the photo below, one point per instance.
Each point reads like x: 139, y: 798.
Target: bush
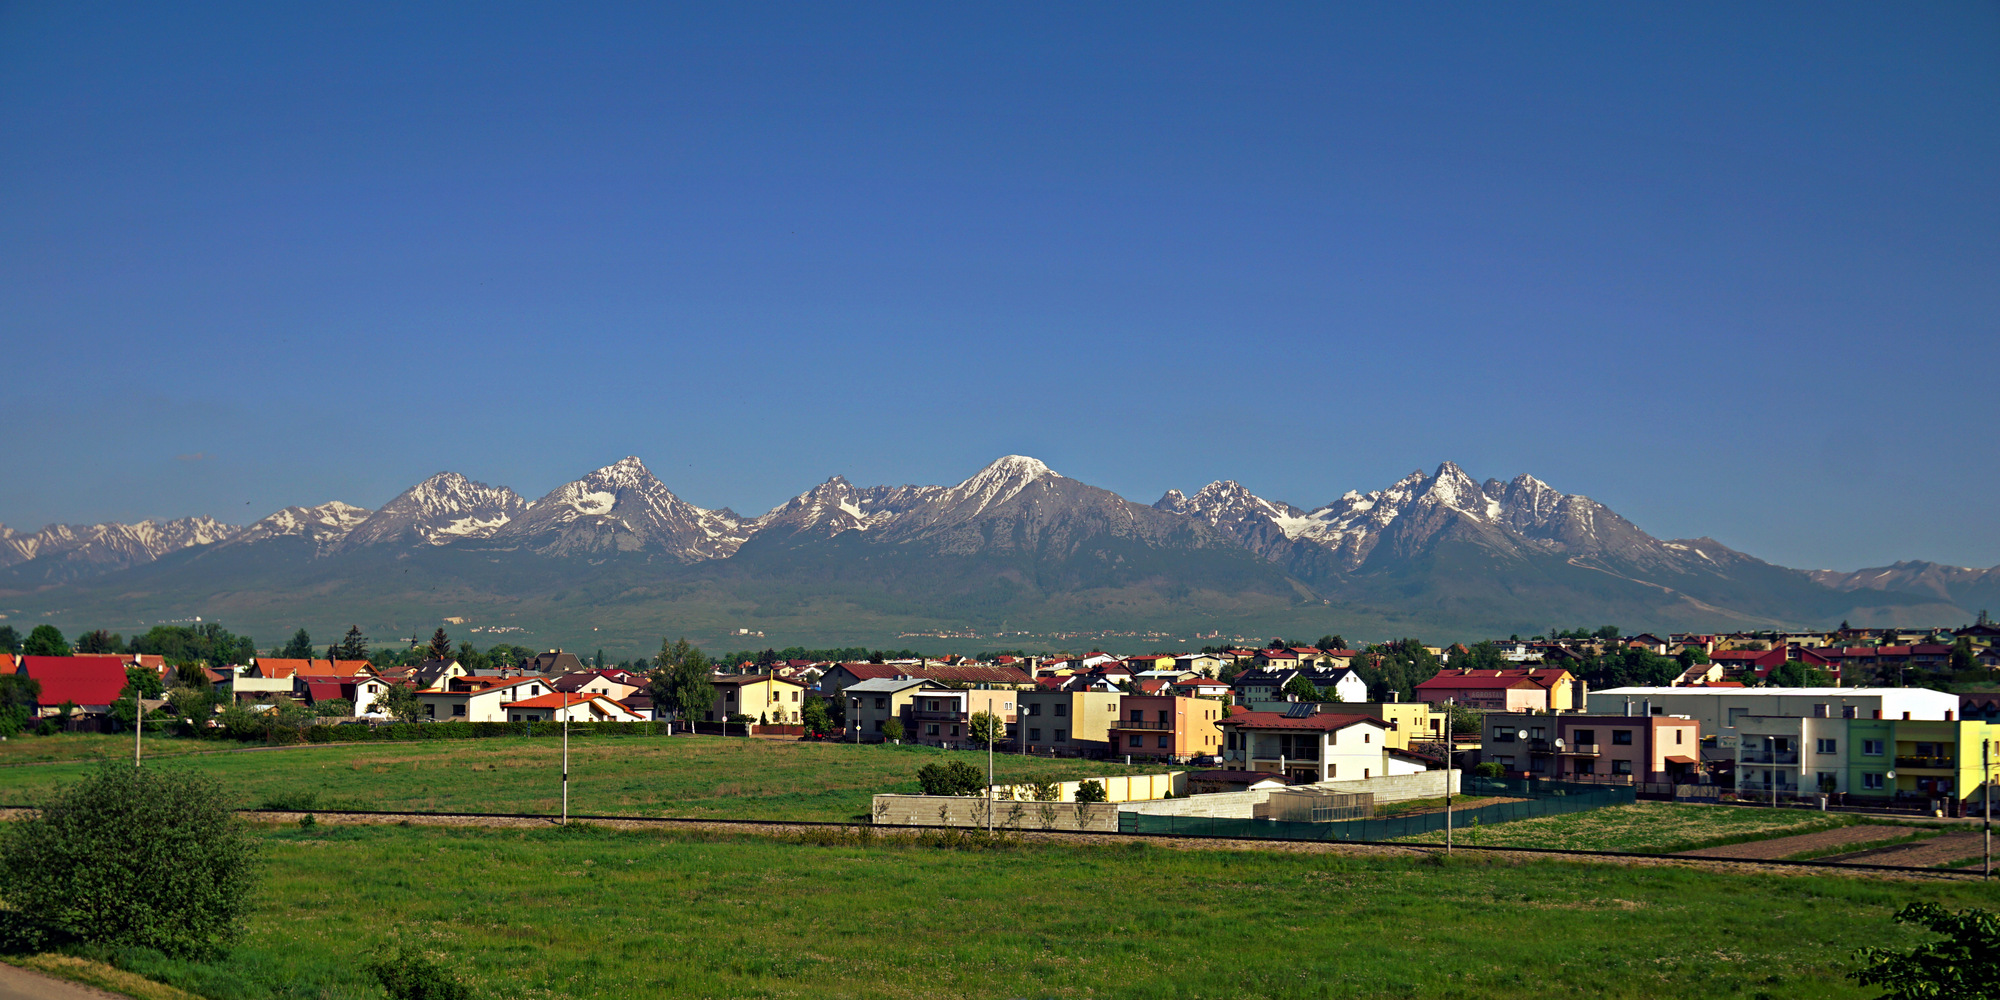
x: 134, y: 857
x: 1963, y: 964
x: 1490, y: 769
x: 953, y: 777
x: 410, y: 976
x: 1090, y: 791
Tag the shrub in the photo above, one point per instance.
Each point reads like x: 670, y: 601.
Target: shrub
x: 953, y: 777
x: 1490, y: 769
x: 892, y: 729
x: 134, y: 857
x: 1963, y: 964
x: 410, y: 976
x: 1090, y: 791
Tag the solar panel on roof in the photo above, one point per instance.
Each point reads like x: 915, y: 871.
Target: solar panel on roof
x: 1302, y: 710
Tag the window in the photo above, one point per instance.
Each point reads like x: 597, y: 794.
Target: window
x: 1678, y: 733
x: 931, y: 729
x: 1584, y: 767
x: 1034, y: 734
x: 1034, y: 709
x: 1819, y: 711
x: 795, y: 696
x: 934, y: 704
x: 1007, y: 706
x: 373, y: 689
x: 1164, y: 717
x: 1585, y: 738
x: 1138, y: 715
x: 954, y: 730
x: 1827, y: 781
x: 1367, y: 737
x: 881, y: 703
x: 458, y: 709
x: 1872, y: 781
x: 1062, y: 735
x: 1827, y: 746
x: 430, y: 711
x: 1537, y: 733
x: 1062, y: 709
x: 1538, y: 764
x: 1847, y: 711
x: 1164, y: 744
x: 1621, y: 737
x: 1136, y: 740
x: 1621, y: 767
x: 1871, y: 748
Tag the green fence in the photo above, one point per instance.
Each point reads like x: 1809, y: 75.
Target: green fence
x: 1539, y: 798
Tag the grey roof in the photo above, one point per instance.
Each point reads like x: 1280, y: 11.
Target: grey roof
x: 884, y: 685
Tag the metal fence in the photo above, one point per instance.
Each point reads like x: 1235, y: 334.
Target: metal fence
x: 1539, y: 798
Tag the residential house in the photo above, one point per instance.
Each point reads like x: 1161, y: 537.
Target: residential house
x: 943, y: 716
x: 1408, y: 721
x: 558, y: 706
x: 1166, y: 726
x: 1200, y: 664
x: 1059, y: 720
x: 762, y: 697
x: 1490, y: 693
x: 480, y: 699
x: 268, y: 678
x: 1565, y: 692
x: 611, y: 682
x: 553, y: 663
x: 89, y: 684
x: 437, y: 675
x: 871, y: 703
x: 1653, y: 748
x: 1919, y: 760
x: 1309, y: 747
x: 1202, y: 687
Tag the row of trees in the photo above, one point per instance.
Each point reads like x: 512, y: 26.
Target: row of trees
x: 205, y: 643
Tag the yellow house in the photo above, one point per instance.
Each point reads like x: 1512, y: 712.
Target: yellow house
x: 759, y: 696
x: 1068, y: 720
x: 1408, y: 720
x: 870, y: 704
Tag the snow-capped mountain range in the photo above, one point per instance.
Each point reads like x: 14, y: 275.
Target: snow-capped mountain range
x: 1446, y: 531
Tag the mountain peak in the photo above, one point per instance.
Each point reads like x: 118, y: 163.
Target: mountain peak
x: 1017, y: 466
x: 627, y: 471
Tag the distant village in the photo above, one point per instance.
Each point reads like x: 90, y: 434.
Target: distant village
x: 1856, y: 715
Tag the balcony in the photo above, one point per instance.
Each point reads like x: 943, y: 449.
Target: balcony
x: 1782, y: 788
x: 1165, y: 727
x: 1580, y: 750
x: 1935, y: 763
x: 1541, y: 746
x: 1769, y: 757
x: 917, y: 716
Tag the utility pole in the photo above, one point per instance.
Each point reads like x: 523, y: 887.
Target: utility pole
x: 565, y: 781
x: 1447, y: 775
x: 1986, y: 761
x: 991, y: 721
x: 139, y: 726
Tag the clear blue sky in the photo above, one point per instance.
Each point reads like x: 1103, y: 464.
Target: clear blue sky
x: 1733, y: 270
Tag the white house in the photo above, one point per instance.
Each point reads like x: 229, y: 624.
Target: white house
x: 1309, y: 748
x: 486, y: 704
x: 557, y: 706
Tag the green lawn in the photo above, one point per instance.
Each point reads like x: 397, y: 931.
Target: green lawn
x: 1645, y: 827
x: 701, y: 776
x: 595, y: 913
x: 23, y: 748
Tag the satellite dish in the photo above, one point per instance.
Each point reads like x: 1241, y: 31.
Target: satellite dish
x: 1520, y: 734
x: 1891, y: 776
x: 1559, y: 744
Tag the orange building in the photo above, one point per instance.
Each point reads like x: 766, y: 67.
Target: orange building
x: 1167, y: 726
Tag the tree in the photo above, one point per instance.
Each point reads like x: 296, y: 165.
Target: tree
x: 1301, y: 689
x: 679, y: 681
x: 440, y: 648
x: 333, y: 708
x: 18, y: 699
x: 1606, y: 632
x: 1793, y: 673
x: 1275, y: 644
x: 815, y: 717
x: 399, y: 702
x: 1962, y: 656
x: 10, y: 639
x: 1090, y: 791
x: 134, y: 857
x: 45, y: 640
x: 300, y: 648
x: 985, y: 728
x: 952, y: 777
x: 192, y: 705
x: 99, y: 641
x: 140, y: 682
x: 354, y: 646
x: 1963, y: 966
x: 1331, y: 642
x: 1465, y: 720
x: 1481, y: 655
x: 892, y: 729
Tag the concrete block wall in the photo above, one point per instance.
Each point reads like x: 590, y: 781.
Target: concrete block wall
x: 946, y: 810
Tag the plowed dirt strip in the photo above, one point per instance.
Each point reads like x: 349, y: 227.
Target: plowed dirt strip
x: 1922, y: 854
x: 1784, y: 847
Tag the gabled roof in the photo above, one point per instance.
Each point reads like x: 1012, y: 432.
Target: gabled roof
x: 278, y: 669
x: 885, y: 685
x: 323, y: 688
x: 1278, y: 720
x: 83, y: 680
x: 1459, y: 682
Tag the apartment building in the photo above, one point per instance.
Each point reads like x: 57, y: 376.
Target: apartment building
x: 1718, y: 709
x: 762, y: 697
x: 1067, y: 720
x: 1911, y: 760
x: 1168, y: 726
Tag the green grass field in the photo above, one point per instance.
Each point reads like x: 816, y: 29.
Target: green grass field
x: 700, y: 776
x: 596, y: 913
x: 1645, y: 827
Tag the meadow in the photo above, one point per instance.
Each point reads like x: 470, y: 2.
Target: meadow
x: 687, y: 776
x: 587, y: 912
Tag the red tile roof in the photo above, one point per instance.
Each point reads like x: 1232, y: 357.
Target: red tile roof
x: 83, y: 680
x: 1457, y: 682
